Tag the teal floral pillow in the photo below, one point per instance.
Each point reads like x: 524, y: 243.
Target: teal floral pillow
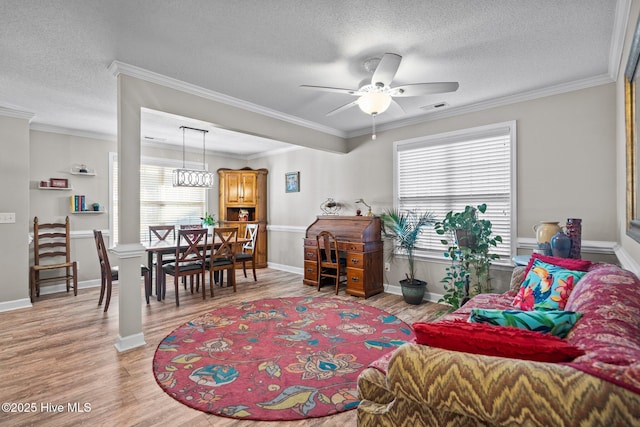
x: 554, y: 322
x: 546, y: 286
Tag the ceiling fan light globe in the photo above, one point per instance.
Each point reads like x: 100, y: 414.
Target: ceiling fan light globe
x: 374, y: 102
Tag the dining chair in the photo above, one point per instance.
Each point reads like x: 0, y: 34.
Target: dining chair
x: 249, y: 249
x: 191, y: 226
x: 330, y: 264
x: 109, y: 274
x: 223, y: 256
x: 160, y: 233
x: 190, y: 259
x: 52, y: 251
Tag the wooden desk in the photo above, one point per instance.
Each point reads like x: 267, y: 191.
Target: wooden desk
x: 361, y: 239
x: 168, y: 246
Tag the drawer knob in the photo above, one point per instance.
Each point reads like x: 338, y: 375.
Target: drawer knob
x: 309, y: 270
x: 354, y: 279
x: 309, y: 254
x: 354, y: 260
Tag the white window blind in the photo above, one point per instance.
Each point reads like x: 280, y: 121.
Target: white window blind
x: 160, y: 202
x: 446, y: 172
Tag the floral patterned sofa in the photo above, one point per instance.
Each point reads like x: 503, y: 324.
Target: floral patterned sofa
x: 421, y: 385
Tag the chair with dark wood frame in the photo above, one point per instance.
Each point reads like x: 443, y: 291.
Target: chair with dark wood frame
x: 223, y: 256
x: 330, y: 264
x: 249, y: 249
x: 109, y: 274
x: 51, y: 241
x: 190, y: 260
x: 160, y: 233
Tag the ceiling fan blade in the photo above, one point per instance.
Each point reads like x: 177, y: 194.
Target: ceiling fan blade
x: 344, y: 107
x: 397, y: 106
x: 419, y: 89
x: 332, y: 89
x: 386, y: 69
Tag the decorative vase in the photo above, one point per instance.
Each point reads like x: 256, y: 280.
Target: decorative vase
x: 413, y: 292
x: 545, y: 230
x: 574, y: 231
x: 560, y: 245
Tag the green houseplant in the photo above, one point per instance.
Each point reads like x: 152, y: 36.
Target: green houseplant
x: 469, y: 240
x: 404, y: 228
x: 209, y: 221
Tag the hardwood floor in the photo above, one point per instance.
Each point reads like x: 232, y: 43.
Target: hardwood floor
x: 61, y: 352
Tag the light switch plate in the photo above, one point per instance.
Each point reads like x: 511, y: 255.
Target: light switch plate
x: 7, y: 217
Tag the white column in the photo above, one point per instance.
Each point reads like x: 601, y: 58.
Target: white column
x: 129, y: 250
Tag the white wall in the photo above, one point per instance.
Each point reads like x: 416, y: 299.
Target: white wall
x: 14, y: 197
x: 566, y: 161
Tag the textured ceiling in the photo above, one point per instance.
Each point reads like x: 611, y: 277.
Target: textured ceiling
x: 55, y: 54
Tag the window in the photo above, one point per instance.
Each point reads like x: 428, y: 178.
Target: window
x: 160, y: 201
x: 444, y: 172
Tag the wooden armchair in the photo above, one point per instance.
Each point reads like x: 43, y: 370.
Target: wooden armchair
x: 52, y: 251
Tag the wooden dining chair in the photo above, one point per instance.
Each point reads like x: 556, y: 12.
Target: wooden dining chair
x: 161, y: 232
x: 52, y: 251
x: 190, y: 259
x: 109, y: 274
x: 330, y: 264
x: 248, y: 253
x: 191, y: 226
x: 223, y: 256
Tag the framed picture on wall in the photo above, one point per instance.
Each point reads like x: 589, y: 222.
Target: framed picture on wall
x: 292, y: 182
x: 59, y: 182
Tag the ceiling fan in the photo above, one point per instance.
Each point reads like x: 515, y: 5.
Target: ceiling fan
x: 375, y: 96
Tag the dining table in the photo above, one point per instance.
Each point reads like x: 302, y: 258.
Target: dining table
x: 159, y: 248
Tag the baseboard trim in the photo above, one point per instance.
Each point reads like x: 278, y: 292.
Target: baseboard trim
x: 287, y: 268
x: 397, y: 290
x: 129, y: 342
x: 15, y: 304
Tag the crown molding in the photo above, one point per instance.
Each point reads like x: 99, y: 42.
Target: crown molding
x: 118, y: 67
x: 16, y: 114
x: 72, y: 132
x: 492, y: 103
x: 621, y: 20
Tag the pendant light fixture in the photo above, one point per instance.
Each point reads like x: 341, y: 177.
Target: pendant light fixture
x: 192, y: 177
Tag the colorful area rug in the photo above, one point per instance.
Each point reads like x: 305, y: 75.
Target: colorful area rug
x: 276, y: 359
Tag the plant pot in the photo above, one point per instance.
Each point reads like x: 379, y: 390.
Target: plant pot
x: 413, y: 292
x: 466, y: 239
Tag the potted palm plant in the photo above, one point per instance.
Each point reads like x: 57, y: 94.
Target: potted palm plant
x: 404, y: 228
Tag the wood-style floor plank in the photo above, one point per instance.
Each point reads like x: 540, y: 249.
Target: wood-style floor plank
x: 62, y: 352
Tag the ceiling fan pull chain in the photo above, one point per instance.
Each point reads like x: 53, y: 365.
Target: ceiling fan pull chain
x: 373, y: 135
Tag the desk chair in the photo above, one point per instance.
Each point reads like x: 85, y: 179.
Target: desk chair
x: 223, y: 256
x: 330, y: 265
x: 52, y: 251
x: 109, y: 274
x: 190, y: 260
x: 249, y: 249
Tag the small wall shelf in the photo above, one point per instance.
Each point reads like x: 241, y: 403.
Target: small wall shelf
x: 55, y: 188
x: 76, y: 170
x: 87, y: 212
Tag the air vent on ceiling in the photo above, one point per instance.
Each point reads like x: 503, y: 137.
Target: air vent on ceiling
x: 154, y: 139
x: 436, y: 106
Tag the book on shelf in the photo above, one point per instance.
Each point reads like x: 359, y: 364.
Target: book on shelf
x: 77, y: 203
